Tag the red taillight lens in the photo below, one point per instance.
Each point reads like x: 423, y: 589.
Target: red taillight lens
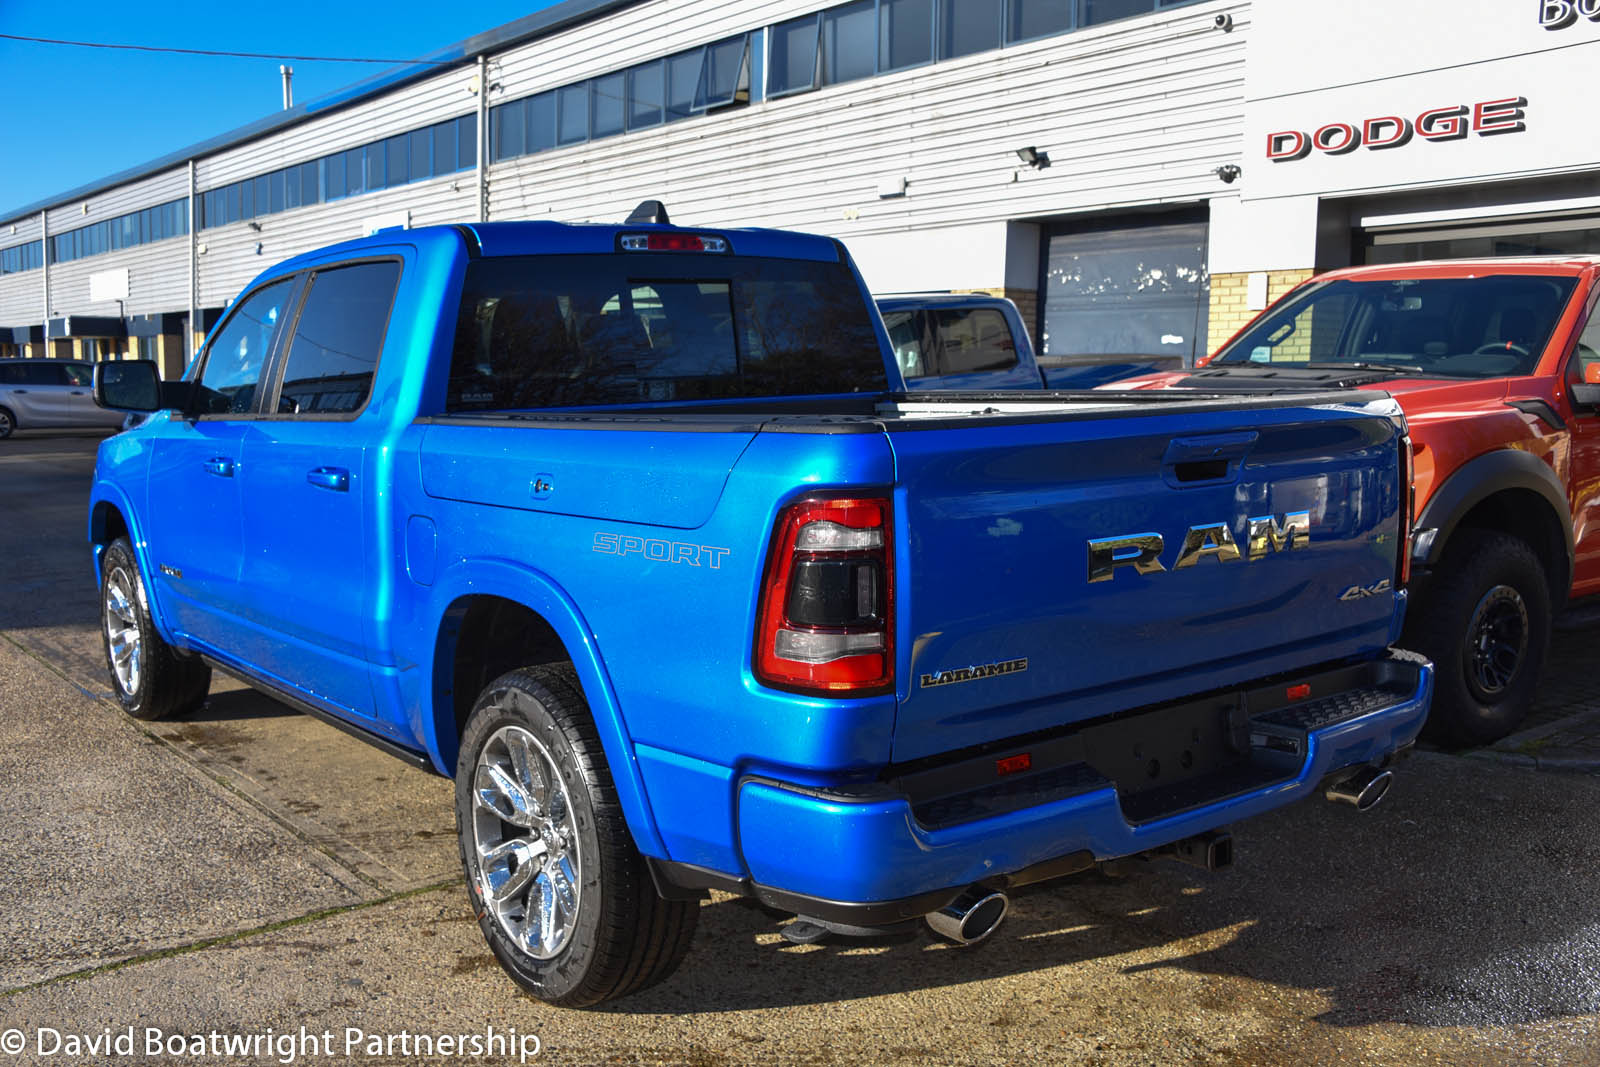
x: 672, y: 242
x: 826, y: 620
x: 1408, y: 509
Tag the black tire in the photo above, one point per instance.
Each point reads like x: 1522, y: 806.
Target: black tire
x: 619, y: 936
x: 1483, y: 617
x: 8, y: 423
x: 161, y: 683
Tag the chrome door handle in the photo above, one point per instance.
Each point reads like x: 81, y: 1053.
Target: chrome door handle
x: 335, y: 478
x: 221, y: 466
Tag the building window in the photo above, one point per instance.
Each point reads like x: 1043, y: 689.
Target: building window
x: 1027, y: 19
x: 847, y: 43
x: 606, y: 104
x: 792, y: 62
x: 646, y: 96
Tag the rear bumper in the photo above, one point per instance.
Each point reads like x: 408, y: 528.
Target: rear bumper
x: 872, y: 859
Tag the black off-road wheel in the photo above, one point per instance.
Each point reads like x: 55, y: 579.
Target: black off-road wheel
x: 1484, y: 619
x: 562, y: 896
x: 151, y: 680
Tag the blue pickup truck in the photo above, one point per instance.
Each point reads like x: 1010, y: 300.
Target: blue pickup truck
x: 633, y: 531
x: 971, y: 341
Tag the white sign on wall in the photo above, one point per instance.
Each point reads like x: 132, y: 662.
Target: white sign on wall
x: 109, y: 285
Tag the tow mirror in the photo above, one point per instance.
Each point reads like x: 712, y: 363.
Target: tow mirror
x: 131, y: 385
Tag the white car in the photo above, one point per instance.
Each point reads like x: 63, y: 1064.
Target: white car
x: 40, y: 394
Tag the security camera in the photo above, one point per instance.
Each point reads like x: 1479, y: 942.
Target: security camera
x: 1229, y: 173
x: 1223, y: 22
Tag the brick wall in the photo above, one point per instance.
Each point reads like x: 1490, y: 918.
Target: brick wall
x: 1228, y: 302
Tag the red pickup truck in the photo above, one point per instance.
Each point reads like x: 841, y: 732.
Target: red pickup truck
x: 1497, y: 366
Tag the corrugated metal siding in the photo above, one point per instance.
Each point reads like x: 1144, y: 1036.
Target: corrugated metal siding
x: 1133, y: 112
x: 169, y: 185
x: 417, y: 105
x: 158, y: 280
x: 21, y: 294
x: 230, y: 259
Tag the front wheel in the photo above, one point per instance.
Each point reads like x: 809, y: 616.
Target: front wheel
x: 150, y: 679
x: 562, y: 896
x: 1484, y: 620
x: 8, y: 422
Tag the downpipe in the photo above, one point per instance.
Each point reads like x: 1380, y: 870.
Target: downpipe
x: 971, y: 917
x: 1361, y: 790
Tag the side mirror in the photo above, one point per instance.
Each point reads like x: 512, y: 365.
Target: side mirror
x: 1587, y: 395
x: 128, y: 385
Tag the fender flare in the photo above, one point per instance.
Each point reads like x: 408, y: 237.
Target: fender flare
x: 541, y: 594
x: 1481, y: 478
x: 111, y: 494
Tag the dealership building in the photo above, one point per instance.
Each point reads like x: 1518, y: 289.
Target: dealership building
x: 1140, y: 176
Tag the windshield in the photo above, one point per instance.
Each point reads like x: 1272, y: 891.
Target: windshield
x: 1485, y: 327
x: 585, y: 330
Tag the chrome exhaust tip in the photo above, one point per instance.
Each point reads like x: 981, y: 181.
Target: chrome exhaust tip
x: 1361, y: 790
x: 971, y: 917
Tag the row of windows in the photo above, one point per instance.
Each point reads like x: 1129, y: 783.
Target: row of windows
x: 662, y: 90
x: 125, y: 231
x: 19, y: 258
x: 867, y: 37
x: 841, y: 44
x: 443, y: 148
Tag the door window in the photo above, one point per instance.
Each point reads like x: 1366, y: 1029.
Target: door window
x: 235, y: 358
x: 337, y: 339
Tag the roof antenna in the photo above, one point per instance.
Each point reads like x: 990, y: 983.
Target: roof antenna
x: 648, y: 211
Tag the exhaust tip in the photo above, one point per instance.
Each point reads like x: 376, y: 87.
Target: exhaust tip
x: 1362, y: 790
x: 971, y: 917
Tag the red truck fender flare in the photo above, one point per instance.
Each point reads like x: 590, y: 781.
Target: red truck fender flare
x: 1506, y: 470
x: 541, y: 594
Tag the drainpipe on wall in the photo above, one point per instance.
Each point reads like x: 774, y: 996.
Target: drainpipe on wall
x: 194, y: 272
x: 44, y: 262
x: 483, y: 139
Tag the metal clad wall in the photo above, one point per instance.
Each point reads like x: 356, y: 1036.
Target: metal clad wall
x: 1133, y: 112
x: 21, y: 294
x: 158, y: 280
x: 230, y: 259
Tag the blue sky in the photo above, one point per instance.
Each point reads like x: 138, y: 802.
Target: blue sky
x: 69, y: 116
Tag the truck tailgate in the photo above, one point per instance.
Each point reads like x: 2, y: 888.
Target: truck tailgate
x: 1051, y: 572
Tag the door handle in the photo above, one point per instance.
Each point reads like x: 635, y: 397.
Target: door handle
x: 221, y: 466
x: 335, y: 478
x: 19, y: 392
x: 77, y: 392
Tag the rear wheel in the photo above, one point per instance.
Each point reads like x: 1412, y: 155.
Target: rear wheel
x: 149, y: 678
x: 1484, y: 620
x: 562, y: 895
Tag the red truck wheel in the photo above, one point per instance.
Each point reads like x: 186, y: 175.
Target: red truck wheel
x: 1484, y: 620
x: 561, y: 894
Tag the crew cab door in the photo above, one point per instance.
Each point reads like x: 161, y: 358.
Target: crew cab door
x: 194, y: 527
x: 308, y: 492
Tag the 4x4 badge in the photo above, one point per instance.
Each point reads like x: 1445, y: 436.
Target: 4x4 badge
x: 1361, y: 592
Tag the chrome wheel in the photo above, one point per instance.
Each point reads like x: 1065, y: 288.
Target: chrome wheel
x: 529, y: 869
x: 1497, y: 640
x: 122, y: 629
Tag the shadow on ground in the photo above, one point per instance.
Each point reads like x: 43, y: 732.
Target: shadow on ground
x: 1423, y: 912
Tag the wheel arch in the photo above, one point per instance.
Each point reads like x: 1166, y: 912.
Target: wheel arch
x: 1514, y: 492
x: 494, y: 616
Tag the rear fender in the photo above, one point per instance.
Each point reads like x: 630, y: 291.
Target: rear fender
x: 539, y: 593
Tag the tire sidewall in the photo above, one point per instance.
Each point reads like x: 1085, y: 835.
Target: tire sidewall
x: 119, y: 556
x: 1481, y: 562
x: 8, y: 423
x: 513, y: 702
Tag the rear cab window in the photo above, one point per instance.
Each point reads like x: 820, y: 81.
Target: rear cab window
x: 564, y: 331
x: 338, y: 335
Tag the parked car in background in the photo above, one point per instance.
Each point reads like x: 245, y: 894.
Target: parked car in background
x: 50, y: 394
x: 968, y: 341
x: 1497, y: 365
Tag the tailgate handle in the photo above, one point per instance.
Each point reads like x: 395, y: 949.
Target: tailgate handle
x: 1209, y: 459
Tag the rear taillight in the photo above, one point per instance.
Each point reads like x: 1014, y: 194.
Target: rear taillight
x: 826, y: 618
x: 672, y: 241
x: 1408, y: 509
